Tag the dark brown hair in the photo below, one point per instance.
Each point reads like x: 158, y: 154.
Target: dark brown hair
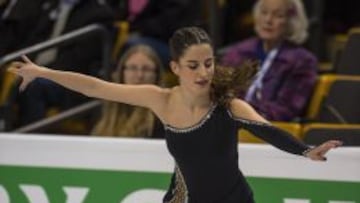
x: 185, y: 37
x: 227, y: 81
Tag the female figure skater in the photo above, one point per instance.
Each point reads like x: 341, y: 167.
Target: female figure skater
x: 201, y: 118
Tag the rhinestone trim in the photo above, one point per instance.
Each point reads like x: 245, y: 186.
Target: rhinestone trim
x: 194, y: 127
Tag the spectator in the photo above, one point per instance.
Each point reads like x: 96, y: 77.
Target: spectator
x: 139, y: 65
x: 50, y: 19
x: 287, y: 71
x: 237, y: 20
x: 153, y: 21
x: 26, y: 23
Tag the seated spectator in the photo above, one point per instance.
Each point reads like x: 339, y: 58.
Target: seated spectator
x: 138, y: 65
x: 287, y: 72
x: 152, y: 22
x: 24, y: 27
x: 26, y: 23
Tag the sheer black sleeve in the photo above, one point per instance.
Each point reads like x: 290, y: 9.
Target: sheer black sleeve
x: 273, y: 135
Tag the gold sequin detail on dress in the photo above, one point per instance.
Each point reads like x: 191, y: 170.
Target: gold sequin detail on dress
x: 180, y: 191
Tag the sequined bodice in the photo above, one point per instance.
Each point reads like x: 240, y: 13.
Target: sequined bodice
x: 204, y: 151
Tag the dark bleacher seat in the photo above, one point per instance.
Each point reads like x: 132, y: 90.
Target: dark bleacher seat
x: 335, y: 100
x: 349, y: 59
x: 315, y: 134
x: 341, y: 104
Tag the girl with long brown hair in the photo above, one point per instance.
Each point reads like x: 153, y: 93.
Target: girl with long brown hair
x: 138, y: 65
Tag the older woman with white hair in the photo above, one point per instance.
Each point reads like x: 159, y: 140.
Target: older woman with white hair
x: 288, y: 72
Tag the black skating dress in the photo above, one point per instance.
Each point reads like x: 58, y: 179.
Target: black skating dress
x: 206, y: 158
